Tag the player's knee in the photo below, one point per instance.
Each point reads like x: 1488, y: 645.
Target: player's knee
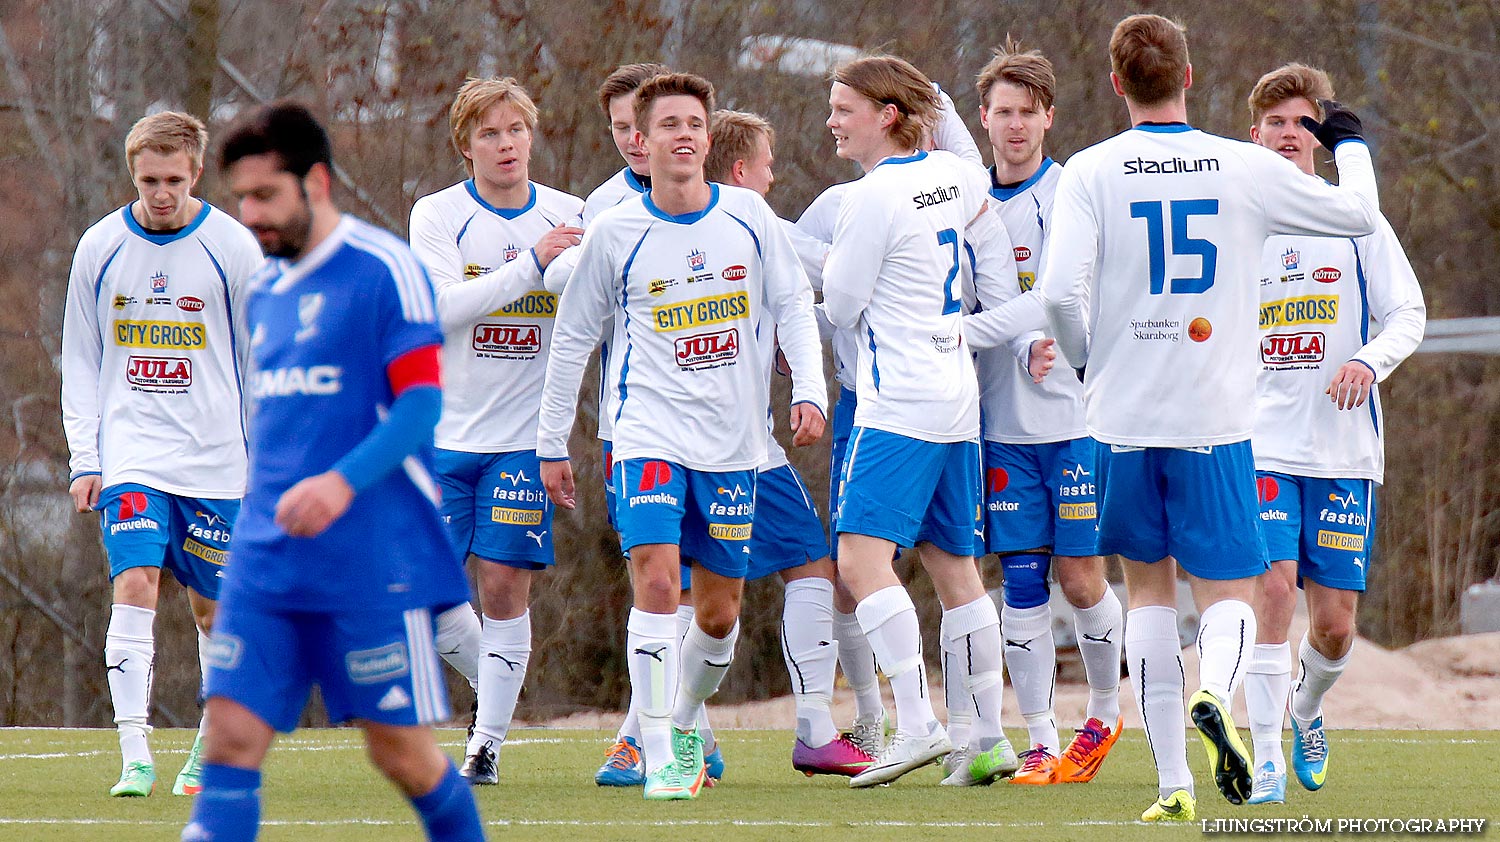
x: 136, y: 586
x: 1332, y: 632
x: 1082, y: 582
x: 1025, y: 584
x: 717, y: 621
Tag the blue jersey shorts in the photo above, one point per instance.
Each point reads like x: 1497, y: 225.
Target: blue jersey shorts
x: 788, y: 532
x: 843, y: 426
x: 1327, y: 526
x: 1197, y: 505
x: 495, y: 506
x: 376, y: 665
x: 1039, y: 496
x: 907, y: 490
x: 189, y: 536
x: 707, y: 514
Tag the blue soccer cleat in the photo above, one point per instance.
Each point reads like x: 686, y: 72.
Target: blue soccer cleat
x: 1310, y: 754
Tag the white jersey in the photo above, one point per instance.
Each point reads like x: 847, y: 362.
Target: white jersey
x: 1321, y: 298
x: 893, y: 273
x: 154, y: 354
x: 690, y: 295
x: 818, y: 222
x: 496, y: 316
x: 1015, y: 409
x: 1150, y: 274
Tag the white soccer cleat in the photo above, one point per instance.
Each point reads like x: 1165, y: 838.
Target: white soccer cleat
x: 904, y: 753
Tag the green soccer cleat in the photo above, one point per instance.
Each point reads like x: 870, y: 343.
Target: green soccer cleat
x: 688, y: 748
x: 190, y: 779
x: 1227, y: 758
x: 664, y: 783
x: 1177, y: 807
x: 136, y: 781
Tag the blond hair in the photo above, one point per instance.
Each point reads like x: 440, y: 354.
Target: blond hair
x: 734, y: 135
x: 1149, y: 55
x: 1287, y: 82
x: 1029, y: 70
x: 166, y: 133
x: 478, y: 96
x: 888, y: 80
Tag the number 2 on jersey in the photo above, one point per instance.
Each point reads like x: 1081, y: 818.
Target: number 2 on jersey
x: 1182, y: 244
x: 951, y: 305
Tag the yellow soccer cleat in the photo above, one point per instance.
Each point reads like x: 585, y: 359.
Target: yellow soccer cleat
x: 1177, y: 807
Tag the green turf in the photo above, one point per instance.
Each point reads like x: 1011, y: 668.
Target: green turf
x: 319, y: 787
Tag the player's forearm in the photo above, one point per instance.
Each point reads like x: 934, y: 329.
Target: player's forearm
x: 1400, y: 334
x: 560, y: 270
x: 1005, y: 323
x: 461, y: 303
x: 1357, y: 175
x: 804, y: 353
x: 406, y: 429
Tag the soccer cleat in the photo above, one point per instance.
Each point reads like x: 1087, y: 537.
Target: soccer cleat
x: 687, y: 746
x: 972, y: 766
x: 902, y: 754
x: 869, y: 733
x: 1177, y: 807
x: 1082, y: 758
x: 137, y: 780
x: 713, y: 763
x: 1270, y: 786
x: 839, y: 756
x: 1039, y: 767
x: 1227, y: 758
x: 623, y: 765
x: 190, y: 779
x: 480, y: 768
x: 664, y: 783
x: 1310, y: 754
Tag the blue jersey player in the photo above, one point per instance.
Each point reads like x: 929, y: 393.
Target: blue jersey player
x: 339, y: 527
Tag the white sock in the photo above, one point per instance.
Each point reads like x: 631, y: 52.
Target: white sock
x: 1154, y: 655
x: 955, y: 681
x: 129, y: 650
x: 1266, y: 685
x: 458, y: 641
x: 1031, y: 655
x: 705, y: 660
x: 889, y: 620
x: 502, y: 672
x: 1099, y: 640
x: 811, y: 656
x: 685, y: 615
x: 975, y: 630
x: 1314, y: 681
x: 1226, y: 639
x: 652, y: 654
x: 202, y: 681
x: 857, y: 660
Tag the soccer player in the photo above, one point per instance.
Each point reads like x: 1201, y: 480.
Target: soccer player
x: 485, y: 242
x: 1318, y: 442
x: 690, y: 270
x: 1149, y: 269
x: 340, y: 553
x: 911, y: 474
x: 152, y: 361
x: 1038, y: 458
x: 788, y: 537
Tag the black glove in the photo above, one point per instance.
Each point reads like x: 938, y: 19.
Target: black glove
x: 1339, y: 124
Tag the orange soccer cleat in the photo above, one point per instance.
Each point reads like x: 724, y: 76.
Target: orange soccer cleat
x: 1085, y: 754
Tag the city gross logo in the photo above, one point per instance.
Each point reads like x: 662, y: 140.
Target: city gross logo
x: 734, y: 273
x: 1307, y: 309
x: 1171, y: 166
x: 1288, y: 348
x: 176, y: 372
x: 184, y: 336
x: 190, y: 303
x: 538, y: 304
x: 516, y: 517
x: 297, y: 380
x: 1023, y: 254
x: 936, y: 197
x: 698, y: 312
x: 1326, y: 275
x: 511, y: 342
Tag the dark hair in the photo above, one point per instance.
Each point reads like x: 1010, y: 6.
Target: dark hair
x: 625, y: 80
x: 671, y: 84
x: 284, y: 129
x: 1149, y: 54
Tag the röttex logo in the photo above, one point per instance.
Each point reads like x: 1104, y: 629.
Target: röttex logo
x: 1326, y: 275
x: 190, y: 303
x: 653, y: 473
x: 1023, y: 254
x: 734, y: 273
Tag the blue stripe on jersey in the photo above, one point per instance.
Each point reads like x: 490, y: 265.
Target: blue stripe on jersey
x: 163, y: 239
x: 1364, y: 323
x: 748, y: 230
x: 412, y: 287
x: 919, y: 155
x: 1006, y: 193
x: 1041, y: 224
x: 459, y: 240
x: 633, y: 181
x: 234, y: 351
x: 503, y: 213
x: 686, y: 218
x: 99, y: 281
x: 624, y: 308
x: 1163, y: 128
x: 874, y: 363
x: 973, y: 270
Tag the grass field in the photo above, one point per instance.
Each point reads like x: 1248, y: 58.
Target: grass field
x: 319, y: 787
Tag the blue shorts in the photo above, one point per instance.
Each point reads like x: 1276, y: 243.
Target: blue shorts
x: 189, y: 536
x: 495, y: 506
x: 788, y: 532
x: 1198, y: 506
x: 1327, y: 526
x: 1040, y: 496
x: 907, y: 490
x: 707, y: 514
x: 843, y: 425
x: 379, y: 666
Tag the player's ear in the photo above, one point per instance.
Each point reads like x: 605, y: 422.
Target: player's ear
x: 1114, y: 82
x: 1187, y: 80
x: 318, y: 183
x: 737, y: 170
